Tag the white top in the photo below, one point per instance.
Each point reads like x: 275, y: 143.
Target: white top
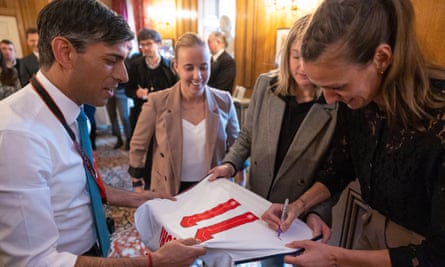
x: 194, y: 165
x: 46, y: 217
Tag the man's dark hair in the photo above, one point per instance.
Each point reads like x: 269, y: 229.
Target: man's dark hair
x: 30, y: 31
x: 82, y: 22
x: 149, y: 34
x: 6, y: 41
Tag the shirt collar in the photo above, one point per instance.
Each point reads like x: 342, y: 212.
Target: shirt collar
x: 68, y: 107
x: 216, y: 56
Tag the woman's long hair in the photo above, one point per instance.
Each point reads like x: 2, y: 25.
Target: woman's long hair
x: 359, y: 27
x: 286, y: 84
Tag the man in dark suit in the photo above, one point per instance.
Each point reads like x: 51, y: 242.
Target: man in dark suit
x: 223, y: 71
x: 9, y: 54
x: 29, y: 65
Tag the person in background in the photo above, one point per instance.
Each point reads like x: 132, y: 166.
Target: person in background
x: 190, y: 124
x: 223, y: 69
x: 9, y: 81
x: 9, y: 53
x: 119, y: 101
x: 43, y: 181
x: 390, y: 135
x: 29, y: 65
x: 287, y: 131
x: 149, y: 73
x: 225, y: 26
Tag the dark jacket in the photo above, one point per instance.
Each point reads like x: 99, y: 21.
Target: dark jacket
x: 138, y: 76
x: 29, y: 65
x: 222, y: 73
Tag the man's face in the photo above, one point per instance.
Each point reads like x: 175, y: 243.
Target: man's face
x: 8, y: 51
x: 213, y: 44
x: 96, y: 72
x: 149, y: 48
x: 33, y: 40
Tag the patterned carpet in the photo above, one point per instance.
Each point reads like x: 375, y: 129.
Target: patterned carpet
x: 113, y: 165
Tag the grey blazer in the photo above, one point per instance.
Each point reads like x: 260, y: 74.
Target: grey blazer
x: 259, y: 139
x: 161, y: 121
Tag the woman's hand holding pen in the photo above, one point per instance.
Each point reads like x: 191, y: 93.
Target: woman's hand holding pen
x: 272, y: 216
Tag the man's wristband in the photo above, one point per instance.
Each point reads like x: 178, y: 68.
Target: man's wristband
x: 150, y: 260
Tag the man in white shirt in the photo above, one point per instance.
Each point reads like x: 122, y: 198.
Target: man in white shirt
x: 44, y: 199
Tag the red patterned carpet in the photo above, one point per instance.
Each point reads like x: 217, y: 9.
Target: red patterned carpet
x: 113, y: 165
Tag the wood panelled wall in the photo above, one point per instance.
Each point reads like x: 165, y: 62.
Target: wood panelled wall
x: 25, y: 12
x: 169, y: 26
x: 255, y: 39
x: 430, y: 24
x: 255, y: 29
x: 256, y: 26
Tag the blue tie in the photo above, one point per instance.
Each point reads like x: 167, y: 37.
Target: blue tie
x: 96, y: 201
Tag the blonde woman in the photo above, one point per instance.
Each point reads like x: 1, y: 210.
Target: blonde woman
x: 191, y: 125
x: 287, y: 131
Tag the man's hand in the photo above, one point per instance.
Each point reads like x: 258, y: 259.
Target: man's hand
x: 153, y: 194
x: 124, y: 198
x: 178, y: 253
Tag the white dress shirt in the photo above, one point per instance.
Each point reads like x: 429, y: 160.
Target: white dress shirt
x: 46, y: 217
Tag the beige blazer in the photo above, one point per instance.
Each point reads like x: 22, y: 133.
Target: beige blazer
x: 161, y: 121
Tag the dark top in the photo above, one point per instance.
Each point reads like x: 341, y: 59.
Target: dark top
x: 401, y: 173
x: 29, y: 65
x: 294, y: 114
x: 140, y: 74
x: 222, y: 72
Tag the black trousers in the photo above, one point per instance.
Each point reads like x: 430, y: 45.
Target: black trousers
x: 94, y: 251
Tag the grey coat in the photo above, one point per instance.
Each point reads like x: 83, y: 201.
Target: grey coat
x: 259, y: 139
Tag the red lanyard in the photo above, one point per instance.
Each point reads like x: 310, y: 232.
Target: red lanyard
x: 59, y: 115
